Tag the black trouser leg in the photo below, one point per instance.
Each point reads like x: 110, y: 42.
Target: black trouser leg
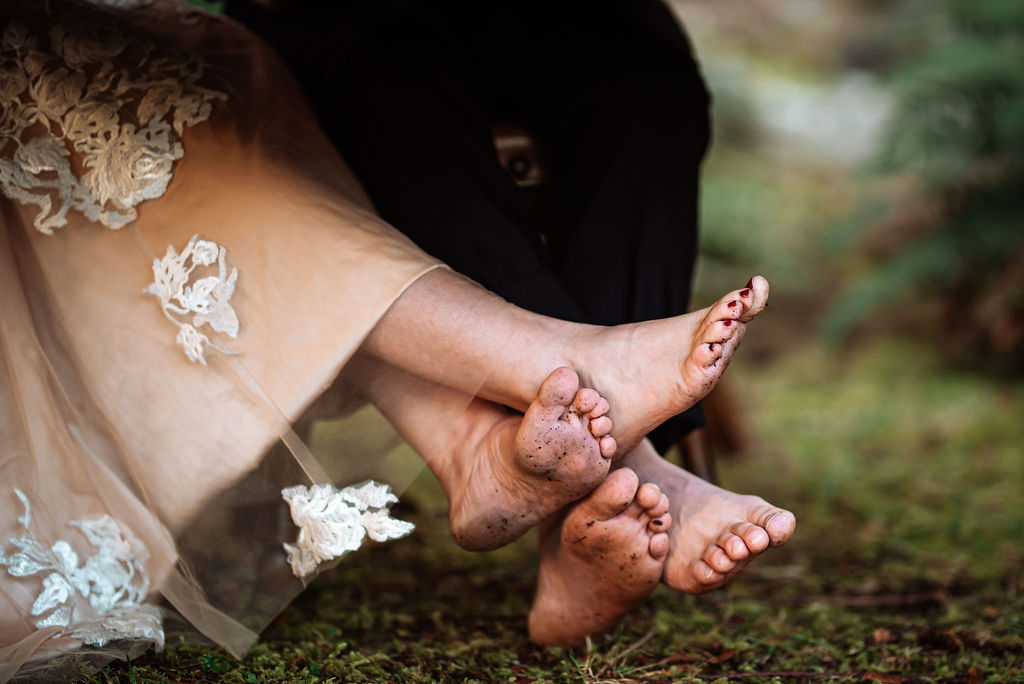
x: 408, y: 93
x: 613, y: 92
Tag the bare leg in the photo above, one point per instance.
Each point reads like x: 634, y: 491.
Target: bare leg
x: 503, y: 473
x: 599, y: 560
x: 716, y: 532
x: 449, y: 330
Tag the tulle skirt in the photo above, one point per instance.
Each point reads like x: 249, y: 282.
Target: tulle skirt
x: 185, y: 266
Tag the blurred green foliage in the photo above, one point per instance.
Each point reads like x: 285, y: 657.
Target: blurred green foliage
x: 956, y: 138
x: 215, y: 6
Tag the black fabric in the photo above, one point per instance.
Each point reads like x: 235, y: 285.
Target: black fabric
x: 409, y: 91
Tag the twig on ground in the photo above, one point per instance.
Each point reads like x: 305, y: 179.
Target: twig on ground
x: 615, y: 659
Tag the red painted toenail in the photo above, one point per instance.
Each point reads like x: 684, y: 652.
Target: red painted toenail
x: 750, y: 283
x: 727, y: 323
x: 744, y: 293
x: 731, y: 304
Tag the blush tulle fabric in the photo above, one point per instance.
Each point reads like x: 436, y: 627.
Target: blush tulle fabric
x: 131, y: 474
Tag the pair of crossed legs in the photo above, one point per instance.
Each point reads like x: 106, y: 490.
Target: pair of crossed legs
x: 447, y: 344
x: 408, y: 92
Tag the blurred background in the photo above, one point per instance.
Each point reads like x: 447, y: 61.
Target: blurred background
x: 868, y: 159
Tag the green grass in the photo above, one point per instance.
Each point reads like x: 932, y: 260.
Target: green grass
x: 926, y: 459
x: 906, y: 479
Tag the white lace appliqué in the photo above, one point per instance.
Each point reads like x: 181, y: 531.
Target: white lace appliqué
x: 113, y: 580
x: 333, y: 522
x: 208, y: 298
x: 66, y: 93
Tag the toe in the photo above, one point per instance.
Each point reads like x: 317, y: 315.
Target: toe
x: 720, y: 330
x: 725, y: 329
x: 660, y: 524
x: 729, y: 307
x: 753, y: 536
x: 586, y: 400
x: 601, y: 409
x: 608, y: 446
x: 658, y: 546
x: 780, y: 526
x: 559, y: 388
x: 718, y: 559
x: 660, y: 508
x: 755, y: 297
x: 599, y: 427
x: 612, y: 497
x: 707, y: 353
x: 648, y: 495
x: 734, y: 546
x: 705, y: 574
x: 556, y: 394
x: 777, y: 522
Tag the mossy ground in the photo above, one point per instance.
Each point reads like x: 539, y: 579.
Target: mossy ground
x: 906, y: 480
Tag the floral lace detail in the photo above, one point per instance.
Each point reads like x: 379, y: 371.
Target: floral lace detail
x: 113, y: 580
x: 333, y: 522
x: 208, y: 298
x: 65, y: 93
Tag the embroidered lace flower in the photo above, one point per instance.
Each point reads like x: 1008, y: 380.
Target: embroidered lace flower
x: 333, y: 522
x: 113, y: 580
x: 208, y: 298
x: 62, y: 94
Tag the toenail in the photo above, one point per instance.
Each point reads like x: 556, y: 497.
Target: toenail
x: 744, y: 293
x: 657, y: 522
x: 750, y: 283
x: 758, y: 537
x: 727, y: 323
x: 731, y: 304
x: 708, y: 573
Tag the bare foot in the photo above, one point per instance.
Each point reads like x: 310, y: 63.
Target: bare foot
x: 654, y: 370
x: 448, y: 330
x: 526, y: 468
x: 599, y: 560
x: 716, y: 532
